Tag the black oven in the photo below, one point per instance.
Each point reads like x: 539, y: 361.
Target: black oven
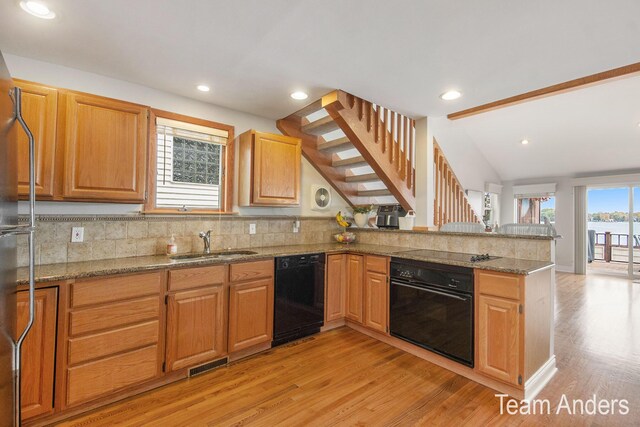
x: 431, y: 305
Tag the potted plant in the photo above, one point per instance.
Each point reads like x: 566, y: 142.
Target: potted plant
x: 361, y: 214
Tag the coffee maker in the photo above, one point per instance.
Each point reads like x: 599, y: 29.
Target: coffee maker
x: 388, y: 215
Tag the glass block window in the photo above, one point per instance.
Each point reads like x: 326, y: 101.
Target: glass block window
x: 190, y: 166
x: 196, y: 162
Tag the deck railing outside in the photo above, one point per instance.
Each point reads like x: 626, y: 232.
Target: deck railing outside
x: 613, y: 247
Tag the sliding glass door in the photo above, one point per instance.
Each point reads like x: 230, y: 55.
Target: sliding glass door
x: 613, y: 229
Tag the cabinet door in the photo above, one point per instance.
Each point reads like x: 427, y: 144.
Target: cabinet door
x: 38, y: 352
x: 375, y: 297
x: 195, y: 327
x: 499, y: 338
x: 39, y: 110
x: 336, y: 287
x: 276, y: 170
x: 355, y: 270
x: 105, y: 148
x: 250, y: 314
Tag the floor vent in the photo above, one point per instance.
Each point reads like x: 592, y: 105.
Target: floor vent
x: 207, y: 367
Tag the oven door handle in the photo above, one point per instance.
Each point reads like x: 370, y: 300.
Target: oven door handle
x: 430, y: 290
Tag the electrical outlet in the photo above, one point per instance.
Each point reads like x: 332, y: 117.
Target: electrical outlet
x: 252, y: 229
x: 295, y: 227
x: 77, y: 234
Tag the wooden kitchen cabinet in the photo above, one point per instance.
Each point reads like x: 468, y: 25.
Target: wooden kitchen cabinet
x: 114, y: 335
x: 39, y: 110
x: 251, y: 298
x: 196, y: 317
x: 269, y: 169
x: 499, y: 326
x: 38, y: 351
x: 104, y: 148
x: 355, y: 285
x: 376, y: 293
x: 336, y: 287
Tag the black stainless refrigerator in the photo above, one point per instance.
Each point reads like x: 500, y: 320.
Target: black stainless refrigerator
x: 11, y: 339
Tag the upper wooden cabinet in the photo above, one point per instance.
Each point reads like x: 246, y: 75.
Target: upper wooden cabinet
x: 39, y: 110
x: 105, y: 148
x: 38, y: 351
x: 269, y: 170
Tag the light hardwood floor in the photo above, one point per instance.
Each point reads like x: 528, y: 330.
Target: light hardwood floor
x: 342, y: 377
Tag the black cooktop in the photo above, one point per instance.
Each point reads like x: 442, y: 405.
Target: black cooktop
x: 449, y: 256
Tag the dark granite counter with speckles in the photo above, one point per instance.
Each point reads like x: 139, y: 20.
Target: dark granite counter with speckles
x: 76, y: 270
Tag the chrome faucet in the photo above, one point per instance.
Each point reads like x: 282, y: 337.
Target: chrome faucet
x: 206, y: 238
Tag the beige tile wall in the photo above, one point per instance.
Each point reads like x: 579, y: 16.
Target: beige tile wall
x: 521, y: 248
x: 105, y: 239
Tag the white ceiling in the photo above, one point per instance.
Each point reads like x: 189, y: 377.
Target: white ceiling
x: 398, y: 54
x: 590, y: 130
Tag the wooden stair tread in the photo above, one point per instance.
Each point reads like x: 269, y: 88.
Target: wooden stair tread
x: 367, y: 177
x: 374, y: 193
x: 320, y: 126
x: 351, y: 162
x: 309, y: 109
x: 340, y: 144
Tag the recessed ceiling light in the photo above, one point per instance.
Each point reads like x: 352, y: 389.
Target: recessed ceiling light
x: 450, y: 95
x: 524, y: 142
x: 204, y: 88
x: 299, y: 95
x: 38, y: 9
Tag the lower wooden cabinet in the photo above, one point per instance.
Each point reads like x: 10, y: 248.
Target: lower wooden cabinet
x: 38, y: 352
x: 195, y: 326
x: 250, y: 314
x: 355, y: 283
x: 114, y: 338
x: 499, y: 326
x: 251, y: 297
x: 376, y: 300
x: 336, y: 283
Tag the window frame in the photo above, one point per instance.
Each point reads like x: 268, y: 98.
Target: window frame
x: 226, y: 187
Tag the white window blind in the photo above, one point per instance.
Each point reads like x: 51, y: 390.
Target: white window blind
x: 190, y: 166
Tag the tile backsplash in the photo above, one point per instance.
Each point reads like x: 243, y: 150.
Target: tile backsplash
x: 126, y: 236
x: 120, y: 237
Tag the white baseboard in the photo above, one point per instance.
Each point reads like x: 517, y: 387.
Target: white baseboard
x: 565, y: 268
x: 540, y: 379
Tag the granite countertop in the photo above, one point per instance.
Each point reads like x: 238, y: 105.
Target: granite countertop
x: 76, y: 270
x: 457, y: 233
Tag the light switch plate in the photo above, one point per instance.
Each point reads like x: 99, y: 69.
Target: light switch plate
x: 77, y: 234
x: 252, y: 229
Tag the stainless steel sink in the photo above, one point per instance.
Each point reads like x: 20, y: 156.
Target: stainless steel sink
x: 217, y: 254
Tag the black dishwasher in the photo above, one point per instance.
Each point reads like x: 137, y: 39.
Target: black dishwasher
x: 299, y: 297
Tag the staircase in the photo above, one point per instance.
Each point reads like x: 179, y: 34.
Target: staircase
x: 451, y: 203
x: 365, y: 151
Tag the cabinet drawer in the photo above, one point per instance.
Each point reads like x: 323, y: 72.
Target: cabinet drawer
x: 377, y: 264
x: 188, y: 278
x: 93, y: 379
x: 251, y: 270
x: 499, y: 284
x: 103, y: 290
x: 113, y: 315
x: 114, y: 341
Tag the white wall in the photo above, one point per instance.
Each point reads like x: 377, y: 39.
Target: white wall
x: 565, y: 223
x: 467, y: 161
x: 69, y: 78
